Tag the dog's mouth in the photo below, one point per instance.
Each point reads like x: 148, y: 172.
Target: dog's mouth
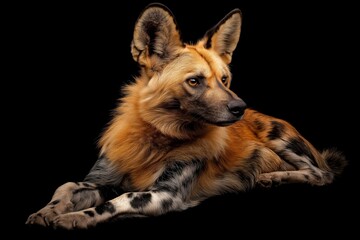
x: 220, y: 123
x: 224, y: 123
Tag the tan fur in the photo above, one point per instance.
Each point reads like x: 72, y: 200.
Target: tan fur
x: 180, y: 135
x: 142, y: 138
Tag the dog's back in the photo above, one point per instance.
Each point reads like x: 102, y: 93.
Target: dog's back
x: 180, y: 135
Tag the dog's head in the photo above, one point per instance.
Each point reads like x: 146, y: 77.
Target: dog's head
x: 185, y: 85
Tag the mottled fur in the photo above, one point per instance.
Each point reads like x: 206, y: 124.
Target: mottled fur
x: 180, y: 135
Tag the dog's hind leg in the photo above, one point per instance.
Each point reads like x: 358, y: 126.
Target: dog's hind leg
x: 74, y: 196
x: 305, y: 170
x: 307, y: 165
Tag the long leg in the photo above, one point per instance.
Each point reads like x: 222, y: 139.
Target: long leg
x: 98, y: 186
x: 171, y: 192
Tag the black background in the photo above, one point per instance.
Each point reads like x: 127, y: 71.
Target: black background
x: 293, y: 61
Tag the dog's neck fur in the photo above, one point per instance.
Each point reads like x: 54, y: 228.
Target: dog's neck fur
x: 136, y: 144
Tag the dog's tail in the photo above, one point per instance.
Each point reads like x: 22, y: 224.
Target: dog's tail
x: 334, y: 160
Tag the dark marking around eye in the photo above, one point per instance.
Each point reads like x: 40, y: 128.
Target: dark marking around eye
x: 90, y: 213
x: 298, y: 146
x: 129, y: 195
x: 106, y: 207
x: 276, y: 130
x: 141, y: 200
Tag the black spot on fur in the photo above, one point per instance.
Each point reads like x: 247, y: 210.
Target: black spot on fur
x: 174, y: 169
x: 299, y: 147
x: 54, y: 202
x: 141, y: 200
x: 130, y: 195
x: 167, y: 181
x: 166, y: 187
x: 79, y: 190
x: 166, y: 204
x: 276, y: 131
x: 259, y: 125
x: 90, y: 213
x: 108, y: 192
x: 283, y: 156
x: 187, y: 182
x: 248, y: 173
x: 106, y: 207
x: 86, y: 184
x: 103, y: 173
x: 316, y: 175
x: 246, y: 178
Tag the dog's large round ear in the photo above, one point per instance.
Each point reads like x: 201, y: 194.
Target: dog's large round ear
x: 224, y: 36
x: 156, y: 37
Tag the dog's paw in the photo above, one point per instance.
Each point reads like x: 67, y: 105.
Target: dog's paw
x: 266, y: 183
x: 268, y: 180
x: 44, y: 217
x: 73, y: 220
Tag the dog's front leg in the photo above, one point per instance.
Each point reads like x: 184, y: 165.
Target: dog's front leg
x: 171, y: 192
x: 98, y: 186
x: 68, y: 197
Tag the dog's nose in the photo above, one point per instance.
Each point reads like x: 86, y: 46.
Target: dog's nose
x: 237, y: 107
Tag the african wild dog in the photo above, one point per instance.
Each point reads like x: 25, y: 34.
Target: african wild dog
x: 180, y: 135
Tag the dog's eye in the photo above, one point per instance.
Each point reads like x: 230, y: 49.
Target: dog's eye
x: 193, y: 82
x: 224, y: 79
